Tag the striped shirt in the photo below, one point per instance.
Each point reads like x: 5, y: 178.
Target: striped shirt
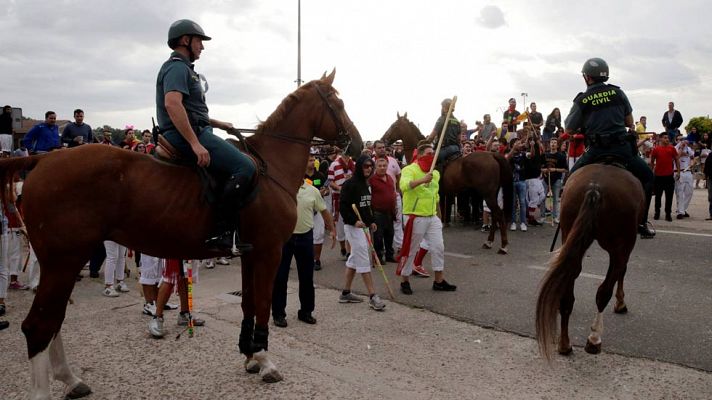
x: 338, y: 175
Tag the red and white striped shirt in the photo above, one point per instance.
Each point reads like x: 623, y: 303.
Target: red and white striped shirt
x: 338, y: 174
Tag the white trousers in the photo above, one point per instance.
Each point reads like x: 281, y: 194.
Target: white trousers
x: 683, y: 191
x: 115, y: 266
x: 360, y: 257
x: 535, y: 192
x: 318, y: 228
x: 33, y: 270
x: 14, y: 251
x: 151, y: 268
x: 4, y: 271
x: 430, y: 230
x: 572, y: 161
x: 398, y: 223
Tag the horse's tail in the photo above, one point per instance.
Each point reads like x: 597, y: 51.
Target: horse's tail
x: 563, y: 271
x: 506, y: 183
x: 9, y: 167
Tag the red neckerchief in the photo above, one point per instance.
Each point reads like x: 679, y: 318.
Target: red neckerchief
x: 425, y: 162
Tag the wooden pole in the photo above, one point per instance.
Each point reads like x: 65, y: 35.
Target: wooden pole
x: 442, y: 132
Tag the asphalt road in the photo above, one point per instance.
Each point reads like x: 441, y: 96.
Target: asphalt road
x: 668, y: 288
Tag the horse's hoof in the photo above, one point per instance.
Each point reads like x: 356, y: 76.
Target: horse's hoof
x: 620, y: 310
x: 272, y: 377
x: 567, y: 351
x: 592, y: 348
x: 487, y: 245
x: 252, y: 366
x: 503, y: 250
x: 80, y: 390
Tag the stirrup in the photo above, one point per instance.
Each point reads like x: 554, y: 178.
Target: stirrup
x: 229, y: 241
x: 239, y: 248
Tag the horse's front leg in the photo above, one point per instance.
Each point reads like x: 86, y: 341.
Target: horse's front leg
x: 263, y: 281
x: 247, y: 329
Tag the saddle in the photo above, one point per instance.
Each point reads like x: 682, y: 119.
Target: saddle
x: 611, y: 159
x: 212, y: 187
x: 452, y: 157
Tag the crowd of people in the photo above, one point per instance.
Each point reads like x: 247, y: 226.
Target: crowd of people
x: 379, y: 208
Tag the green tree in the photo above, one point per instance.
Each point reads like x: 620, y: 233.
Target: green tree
x: 703, y: 124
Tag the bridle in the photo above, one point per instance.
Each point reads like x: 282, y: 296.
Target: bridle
x: 343, y: 139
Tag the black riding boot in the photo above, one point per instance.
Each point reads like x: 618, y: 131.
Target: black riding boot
x: 225, y: 234
x: 643, y: 230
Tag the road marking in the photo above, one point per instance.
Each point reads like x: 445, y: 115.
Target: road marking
x: 458, y: 255
x: 584, y: 274
x: 685, y: 233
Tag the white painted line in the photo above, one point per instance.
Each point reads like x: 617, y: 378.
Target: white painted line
x: 685, y: 233
x: 458, y: 255
x: 583, y: 274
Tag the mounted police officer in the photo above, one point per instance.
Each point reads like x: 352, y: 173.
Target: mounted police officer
x: 451, y: 141
x: 603, y: 113
x: 183, y: 120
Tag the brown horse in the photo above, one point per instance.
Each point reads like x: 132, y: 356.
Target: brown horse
x: 485, y: 172
x: 603, y: 203
x: 168, y: 218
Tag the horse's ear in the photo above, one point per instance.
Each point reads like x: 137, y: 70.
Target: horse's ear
x: 405, y: 115
x: 397, y: 115
x: 330, y: 78
x: 323, y: 76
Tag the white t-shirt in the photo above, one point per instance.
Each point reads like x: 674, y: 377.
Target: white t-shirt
x: 685, y: 157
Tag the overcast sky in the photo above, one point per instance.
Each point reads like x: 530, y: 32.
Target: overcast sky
x: 390, y: 56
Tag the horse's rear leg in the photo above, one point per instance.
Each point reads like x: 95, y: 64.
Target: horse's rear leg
x: 620, y: 307
x: 616, y: 267
x: 44, y: 321
x: 498, y: 217
x: 566, y: 306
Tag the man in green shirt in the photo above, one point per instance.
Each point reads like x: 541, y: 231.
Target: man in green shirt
x: 420, y: 204
x: 183, y: 119
x: 301, y: 246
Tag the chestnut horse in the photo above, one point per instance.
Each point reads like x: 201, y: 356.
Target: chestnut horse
x: 603, y: 203
x: 168, y: 218
x: 485, y: 172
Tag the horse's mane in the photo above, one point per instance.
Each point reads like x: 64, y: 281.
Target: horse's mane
x: 283, y: 109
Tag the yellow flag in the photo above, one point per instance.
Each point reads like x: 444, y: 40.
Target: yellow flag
x: 522, y: 117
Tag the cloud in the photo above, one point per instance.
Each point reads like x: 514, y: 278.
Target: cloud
x: 491, y: 17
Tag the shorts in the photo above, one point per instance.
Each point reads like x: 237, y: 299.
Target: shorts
x: 318, y: 229
x: 360, y: 258
x: 150, y: 270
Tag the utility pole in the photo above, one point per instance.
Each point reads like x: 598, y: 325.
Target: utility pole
x: 524, y: 100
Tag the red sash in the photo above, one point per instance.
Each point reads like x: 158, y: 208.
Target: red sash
x: 405, y: 248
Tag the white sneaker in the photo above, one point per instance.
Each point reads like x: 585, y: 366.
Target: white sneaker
x: 222, y: 261
x: 210, y: 264
x: 376, y: 303
x: 155, y: 327
x: 513, y: 227
x: 523, y: 227
x: 556, y: 221
x: 149, y: 309
x: 122, y: 287
x: 170, y: 306
x: 110, y: 292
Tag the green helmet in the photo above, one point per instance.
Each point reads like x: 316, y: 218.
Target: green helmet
x: 595, y: 68
x: 184, y: 27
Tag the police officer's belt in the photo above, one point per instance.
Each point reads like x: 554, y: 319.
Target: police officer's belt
x: 607, y: 139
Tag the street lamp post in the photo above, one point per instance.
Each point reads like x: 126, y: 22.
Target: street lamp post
x: 524, y: 99
x: 299, y: 43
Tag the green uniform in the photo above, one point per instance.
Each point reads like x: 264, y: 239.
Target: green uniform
x: 177, y: 75
x: 600, y: 114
